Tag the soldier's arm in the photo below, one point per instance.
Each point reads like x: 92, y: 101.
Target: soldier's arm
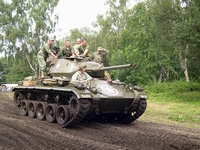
x: 92, y: 56
x: 76, y: 51
x: 48, y: 50
x: 88, y: 77
x: 74, y: 77
x: 86, y: 51
x: 60, y: 53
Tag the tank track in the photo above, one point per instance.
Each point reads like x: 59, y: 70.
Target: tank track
x: 84, y: 107
x: 76, y: 108
x: 128, y: 118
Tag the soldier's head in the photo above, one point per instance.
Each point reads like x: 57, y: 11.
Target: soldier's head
x: 82, y: 68
x: 99, y: 49
x: 84, y: 42
x: 67, y: 43
x: 78, y: 41
x: 51, y: 41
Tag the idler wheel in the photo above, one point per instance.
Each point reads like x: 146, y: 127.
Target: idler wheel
x: 51, y: 113
x: 32, y: 109
x: 23, y: 108
x: 40, y: 110
x: 62, y: 115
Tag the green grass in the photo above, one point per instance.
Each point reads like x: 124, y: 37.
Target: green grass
x: 169, y: 105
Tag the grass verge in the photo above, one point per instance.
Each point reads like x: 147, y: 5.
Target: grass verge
x: 168, y: 105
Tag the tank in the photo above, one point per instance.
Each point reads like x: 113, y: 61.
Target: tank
x: 55, y: 98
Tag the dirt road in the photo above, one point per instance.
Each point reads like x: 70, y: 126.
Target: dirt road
x: 19, y: 132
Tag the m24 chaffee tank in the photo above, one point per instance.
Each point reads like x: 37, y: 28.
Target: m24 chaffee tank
x: 56, y: 99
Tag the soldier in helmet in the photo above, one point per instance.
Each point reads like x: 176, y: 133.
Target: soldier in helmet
x: 66, y: 51
x: 43, y: 56
x: 81, y: 76
x: 98, y: 57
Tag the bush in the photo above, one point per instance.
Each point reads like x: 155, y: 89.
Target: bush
x: 173, y: 87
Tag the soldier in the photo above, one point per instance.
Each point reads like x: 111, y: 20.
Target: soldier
x: 43, y: 56
x: 81, y: 49
x: 66, y: 51
x: 98, y: 57
x: 81, y: 76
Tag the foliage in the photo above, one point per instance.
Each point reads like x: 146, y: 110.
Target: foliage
x: 24, y: 28
x: 160, y: 38
x: 174, y: 87
x: 161, y: 32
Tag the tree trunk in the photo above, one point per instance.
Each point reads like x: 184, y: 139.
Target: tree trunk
x: 186, y: 75
x: 160, y: 75
x: 183, y: 63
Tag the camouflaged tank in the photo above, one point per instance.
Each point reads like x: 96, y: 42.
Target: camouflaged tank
x: 55, y: 99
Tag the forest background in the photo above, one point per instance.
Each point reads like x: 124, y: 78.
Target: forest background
x: 160, y: 38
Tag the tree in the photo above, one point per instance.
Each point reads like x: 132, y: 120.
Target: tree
x: 25, y: 25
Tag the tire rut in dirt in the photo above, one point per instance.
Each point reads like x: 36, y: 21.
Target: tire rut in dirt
x: 149, y: 136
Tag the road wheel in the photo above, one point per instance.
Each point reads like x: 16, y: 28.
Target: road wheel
x: 32, y: 109
x: 23, y: 108
x: 40, y: 110
x: 62, y: 115
x: 51, y: 113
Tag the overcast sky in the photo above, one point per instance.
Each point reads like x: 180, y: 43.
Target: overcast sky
x: 78, y: 13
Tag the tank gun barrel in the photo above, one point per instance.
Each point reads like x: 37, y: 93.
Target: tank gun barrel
x: 113, y: 67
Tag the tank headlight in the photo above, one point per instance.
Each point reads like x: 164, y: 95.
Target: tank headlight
x: 143, y: 96
x: 93, y: 90
x: 60, y: 82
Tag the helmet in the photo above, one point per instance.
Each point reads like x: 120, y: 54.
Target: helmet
x: 100, y: 48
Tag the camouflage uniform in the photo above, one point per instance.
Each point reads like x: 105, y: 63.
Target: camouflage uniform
x: 42, y: 55
x: 67, y: 51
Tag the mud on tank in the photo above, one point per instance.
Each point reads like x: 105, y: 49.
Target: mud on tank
x: 55, y: 99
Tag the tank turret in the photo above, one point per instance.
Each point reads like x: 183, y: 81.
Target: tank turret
x: 67, y: 67
x: 56, y: 99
